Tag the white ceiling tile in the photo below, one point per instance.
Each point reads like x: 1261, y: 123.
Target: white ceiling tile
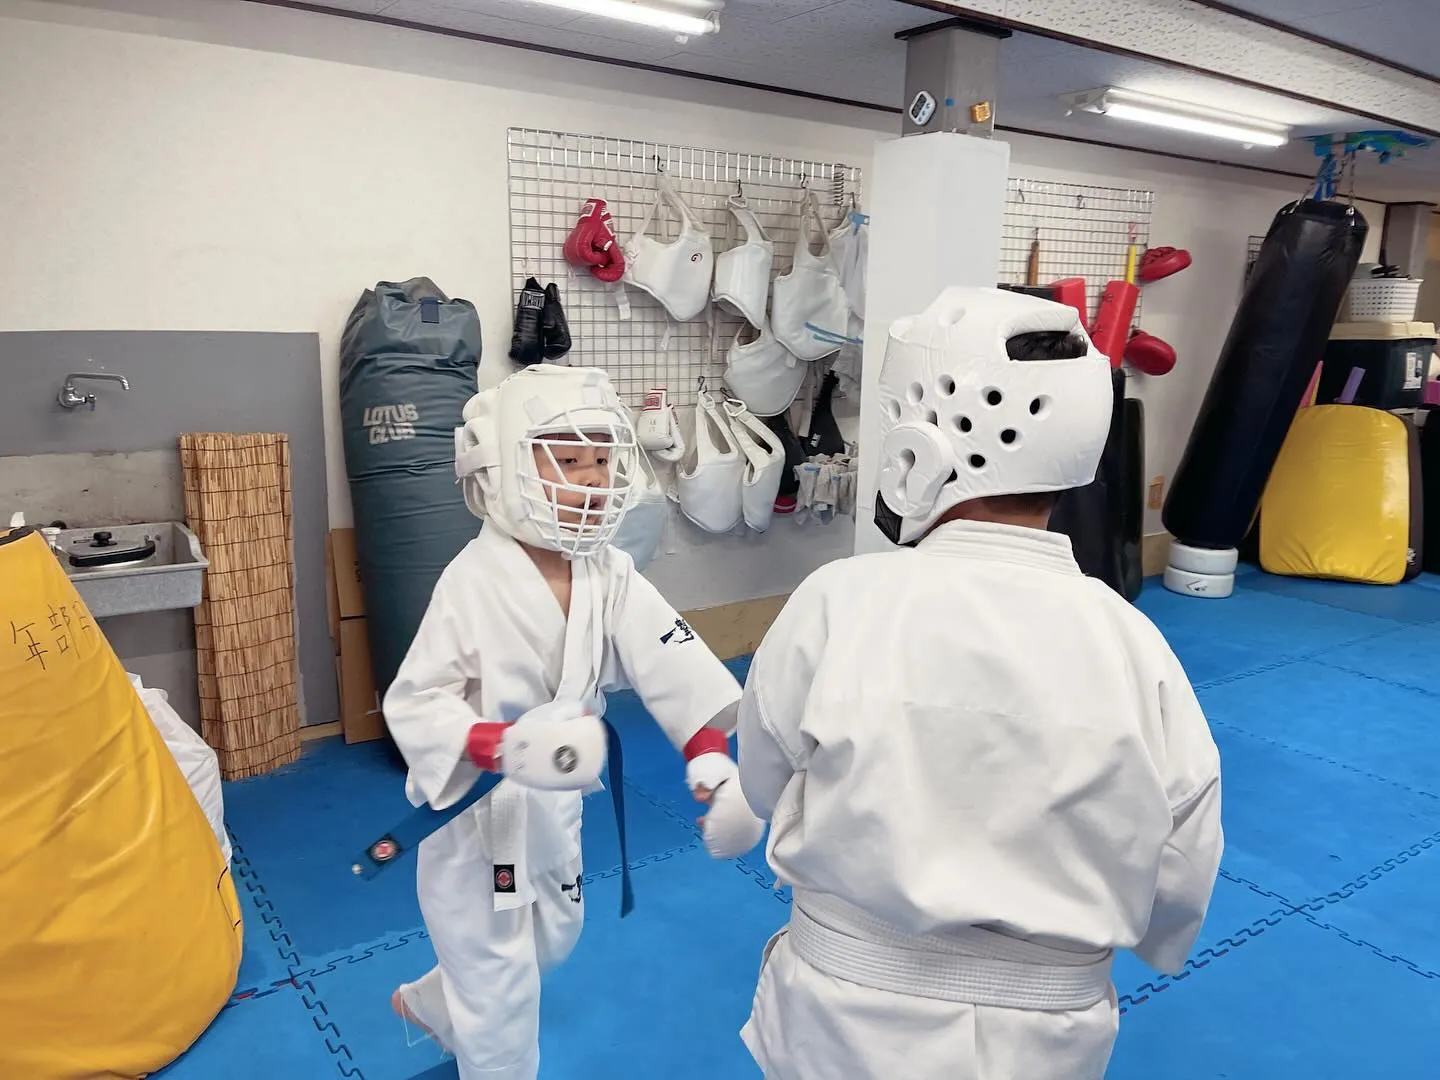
x: 1401, y: 31
x: 475, y: 14
x: 847, y: 49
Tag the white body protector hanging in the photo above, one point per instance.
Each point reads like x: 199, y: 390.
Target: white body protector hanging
x: 710, y: 475
x: 677, y: 273
x: 762, y: 373
x: 742, y: 273
x: 849, y: 252
x: 809, y: 313
x: 643, y: 527
x: 764, y: 465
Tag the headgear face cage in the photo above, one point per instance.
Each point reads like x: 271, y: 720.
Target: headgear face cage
x: 571, y: 421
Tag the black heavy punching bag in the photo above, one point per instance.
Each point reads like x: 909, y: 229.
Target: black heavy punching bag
x: 1277, y: 338
x: 1092, y: 515
x: 408, y: 362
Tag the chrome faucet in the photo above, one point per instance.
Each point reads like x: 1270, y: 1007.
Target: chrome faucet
x: 71, y: 398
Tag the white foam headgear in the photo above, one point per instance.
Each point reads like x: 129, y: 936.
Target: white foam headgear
x: 960, y: 420
x: 573, y: 419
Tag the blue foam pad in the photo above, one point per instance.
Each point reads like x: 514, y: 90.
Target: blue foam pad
x: 1296, y: 1003
x: 264, y: 961
x: 344, y: 805
x: 1237, y: 912
x: 1395, y: 912
x: 1364, y: 723
x: 301, y: 828
x: 1407, y: 603
x: 1409, y: 657
x: 1218, y: 639
x: 658, y: 995
x: 276, y: 1035
x: 357, y: 1000
x: 663, y: 993
x: 1302, y: 827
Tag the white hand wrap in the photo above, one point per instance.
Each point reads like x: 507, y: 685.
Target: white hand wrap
x: 554, y: 748
x: 731, y: 827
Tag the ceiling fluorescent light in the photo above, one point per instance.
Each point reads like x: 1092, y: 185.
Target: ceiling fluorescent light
x: 656, y: 16
x: 1178, y: 116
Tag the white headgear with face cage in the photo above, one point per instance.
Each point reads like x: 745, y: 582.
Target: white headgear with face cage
x: 549, y: 409
x: 960, y: 420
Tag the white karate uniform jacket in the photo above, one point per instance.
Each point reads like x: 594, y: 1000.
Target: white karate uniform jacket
x: 494, y: 644
x: 971, y: 736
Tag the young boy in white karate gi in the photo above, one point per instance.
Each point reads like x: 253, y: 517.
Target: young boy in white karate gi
x: 527, y: 627
x: 984, y: 772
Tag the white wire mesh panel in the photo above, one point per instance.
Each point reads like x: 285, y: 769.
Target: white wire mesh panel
x: 1084, y: 231
x: 552, y: 173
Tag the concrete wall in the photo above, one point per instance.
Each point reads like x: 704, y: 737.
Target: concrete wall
x: 120, y: 464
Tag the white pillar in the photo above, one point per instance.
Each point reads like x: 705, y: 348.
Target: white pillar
x: 936, y: 205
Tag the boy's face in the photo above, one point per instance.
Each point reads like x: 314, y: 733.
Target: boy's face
x: 563, y: 459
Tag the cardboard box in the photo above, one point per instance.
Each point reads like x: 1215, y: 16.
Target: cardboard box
x: 332, y: 597
x: 345, y: 573
x: 360, y: 718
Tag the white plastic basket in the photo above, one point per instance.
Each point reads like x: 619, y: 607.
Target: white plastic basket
x: 1382, y: 299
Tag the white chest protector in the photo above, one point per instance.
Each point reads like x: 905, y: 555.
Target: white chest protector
x: 809, y: 313
x: 764, y: 465
x: 849, y: 250
x: 763, y: 373
x: 677, y: 274
x: 710, y: 475
x: 742, y: 273
x: 643, y: 526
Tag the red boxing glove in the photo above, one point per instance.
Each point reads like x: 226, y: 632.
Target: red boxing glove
x: 613, y: 268
x: 1161, y: 262
x: 482, y: 746
x: 592, y: 246
x: 1149, y: 354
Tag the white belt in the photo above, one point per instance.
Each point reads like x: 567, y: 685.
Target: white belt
x: 977, y: 967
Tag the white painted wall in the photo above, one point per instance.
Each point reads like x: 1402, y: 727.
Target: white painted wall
x: 224, y: 166
x: 937, y: 234
x: 207, y: 164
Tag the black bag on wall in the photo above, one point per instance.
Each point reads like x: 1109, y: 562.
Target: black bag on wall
x: 1278, y: 335
x: 408, y: 364
x: 1103, y: 519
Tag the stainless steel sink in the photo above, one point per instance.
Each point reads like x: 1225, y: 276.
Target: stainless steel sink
x: 127, y: 569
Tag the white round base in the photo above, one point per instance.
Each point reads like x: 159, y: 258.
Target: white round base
x: 1205, y: 586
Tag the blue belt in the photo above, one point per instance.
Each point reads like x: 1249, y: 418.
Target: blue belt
x: 422, y: 821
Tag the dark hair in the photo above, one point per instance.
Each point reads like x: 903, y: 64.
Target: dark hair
x: 1047, y: 345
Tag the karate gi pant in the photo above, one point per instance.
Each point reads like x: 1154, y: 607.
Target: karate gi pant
x: 806, y: 1025
x: 482, y: 999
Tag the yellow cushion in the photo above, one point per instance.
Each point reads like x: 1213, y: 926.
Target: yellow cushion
x: 1337, y: 504
x: 121, y: 933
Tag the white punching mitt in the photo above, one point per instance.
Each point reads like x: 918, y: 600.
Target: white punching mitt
x: 559, y: 746
x: 730, y: 827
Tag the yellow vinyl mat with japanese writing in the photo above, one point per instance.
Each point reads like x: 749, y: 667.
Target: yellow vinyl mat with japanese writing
x: 120, y: 932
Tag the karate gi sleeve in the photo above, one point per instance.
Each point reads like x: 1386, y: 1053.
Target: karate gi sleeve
x: 682, y: 684
x: 425, y: 707
x: 1191, y: 858
x: 773, y: 748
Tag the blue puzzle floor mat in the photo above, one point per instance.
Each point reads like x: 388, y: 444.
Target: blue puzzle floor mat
x: 1320, y: 956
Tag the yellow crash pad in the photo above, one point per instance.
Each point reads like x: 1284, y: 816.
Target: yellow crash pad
x: 1337, y: 504
x: 121, y: 933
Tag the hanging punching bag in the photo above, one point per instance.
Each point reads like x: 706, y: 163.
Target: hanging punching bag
x: 408, y: 363
x: 1278, y: 335
x: 1094, y: 516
